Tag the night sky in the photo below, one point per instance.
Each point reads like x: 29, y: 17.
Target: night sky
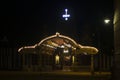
x: 26, y: 22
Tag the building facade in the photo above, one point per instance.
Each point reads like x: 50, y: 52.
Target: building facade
x: 56, y: 52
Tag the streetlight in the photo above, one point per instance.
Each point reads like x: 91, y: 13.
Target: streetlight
x: 107, y: 21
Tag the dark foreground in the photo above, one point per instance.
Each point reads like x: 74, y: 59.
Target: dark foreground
x: 57, y: 75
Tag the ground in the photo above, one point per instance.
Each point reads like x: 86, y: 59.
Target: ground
x: 56, y: 75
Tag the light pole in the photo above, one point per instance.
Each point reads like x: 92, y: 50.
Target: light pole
x: 105, y: 43
x: 103, y: 32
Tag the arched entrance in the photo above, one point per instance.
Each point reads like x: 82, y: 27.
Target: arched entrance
x: 63, y: 57
x: 55, y: 52
x: 61, y: 48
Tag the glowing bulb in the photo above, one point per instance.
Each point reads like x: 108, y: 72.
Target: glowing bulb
x: 106, y: 21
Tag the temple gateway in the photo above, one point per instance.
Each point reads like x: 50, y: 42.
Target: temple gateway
x: 56, y: 52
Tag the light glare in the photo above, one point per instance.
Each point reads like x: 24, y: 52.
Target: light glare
x: 106, y: 21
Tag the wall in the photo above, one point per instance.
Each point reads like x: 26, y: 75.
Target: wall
x: 117, y: 39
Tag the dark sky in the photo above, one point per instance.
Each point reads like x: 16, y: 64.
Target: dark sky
x: 28, y: 21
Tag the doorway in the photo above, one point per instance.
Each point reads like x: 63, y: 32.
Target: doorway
x: 62, y: 57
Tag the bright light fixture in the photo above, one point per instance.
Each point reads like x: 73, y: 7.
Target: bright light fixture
x: 107, y: 21
x: 65, y: 51
x: 62, y: 46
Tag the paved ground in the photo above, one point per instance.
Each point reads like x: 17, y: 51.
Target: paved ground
x: 56, y: 75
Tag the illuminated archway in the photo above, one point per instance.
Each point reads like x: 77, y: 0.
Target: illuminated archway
x: 57, y: 50
x: 61, y: 41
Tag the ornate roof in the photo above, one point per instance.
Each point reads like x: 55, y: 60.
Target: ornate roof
x: 49, y: 44
x: 59, y: 38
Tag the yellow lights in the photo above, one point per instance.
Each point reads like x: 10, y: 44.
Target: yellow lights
x: 57, y: 59
x: 106, y: 21
x: 88, y: 49
x: 26, y: 47
x: 57, y: 35
x: 66, y: 45
x: 73, y: 59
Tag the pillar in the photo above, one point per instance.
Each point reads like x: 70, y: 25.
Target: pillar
x: 23, y: 61
x: 92, y: 64
x: 30, y: 63
x: 39, y: 60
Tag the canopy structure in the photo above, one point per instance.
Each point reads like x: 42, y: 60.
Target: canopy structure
x: 49, y: 44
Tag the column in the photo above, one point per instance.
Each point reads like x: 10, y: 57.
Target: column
x: 30, y: 62
x: 23, y: 61
x: 39, y: 61
x: 100, y: 62
x: 104, y: 62
x: 92, y: 64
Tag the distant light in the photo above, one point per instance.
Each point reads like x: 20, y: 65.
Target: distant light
x: 66, y: 10
x: 73, y: 59
x: 66, y: 19
x: 65, y: 51
x: 57, y: 59
x: 66, y: 15
x: 107, y: 21
x: 68, y: 45
x: 62, y: 46
x: 84, y: 53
